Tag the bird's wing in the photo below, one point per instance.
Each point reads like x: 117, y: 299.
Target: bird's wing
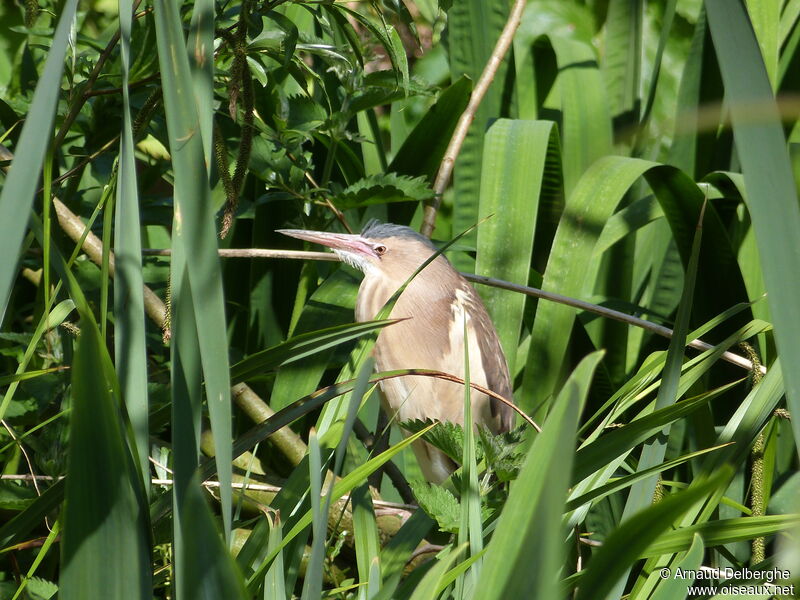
x: 494, y: 362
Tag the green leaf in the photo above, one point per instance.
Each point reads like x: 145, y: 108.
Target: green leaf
x: 422, y: 151
x: 445, y: 435
x: 641, y: 493
x: 342, y: 486
x: 717, y: 533
x: 129, y: 339
x: 194, y: 235
x: 383, y: 188
x: 622, y: 60
x: 365, y: 534
x: 301, y: 347
x: 439, y: 503
x: 14, y: 496
x: 514, y: 157
x: 104, y: 513
x: 677, y: 587
x: 429, y: 587
x: 474, y: 27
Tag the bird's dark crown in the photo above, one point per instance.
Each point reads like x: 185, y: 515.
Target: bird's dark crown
x: 377, y: 230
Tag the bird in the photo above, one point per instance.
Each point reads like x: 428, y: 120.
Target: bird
x: 433, y: 309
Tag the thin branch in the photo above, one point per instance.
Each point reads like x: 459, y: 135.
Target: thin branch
x: 464, y: 122
x: 735, y: 359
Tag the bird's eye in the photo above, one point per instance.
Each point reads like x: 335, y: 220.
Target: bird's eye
x: 380, y: 250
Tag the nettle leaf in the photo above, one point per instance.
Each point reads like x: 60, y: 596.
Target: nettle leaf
x: 380, y: 88
x: 305, y: 114
x: 19, y: 338
x: 501, y: 452
x: 447, y: 437
x: 41, y: 589
x: 382, y: 188
x: 14, y: 496
x: 439, y: 503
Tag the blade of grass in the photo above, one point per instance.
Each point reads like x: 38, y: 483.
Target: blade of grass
x: 474, y: 27
x: 678, y: 587
x: 365, y: 534
x: 525, y: 553
x: 725, y: 531
x: 429, y: 587
x: 312, y: 582
x: 274, y: 582
x: 51, y: 537
x: 129, y: 333
x: 312, y: 585
x: 470, y: 530
x: 48, y: 321
x: 621, y: 483
x: 194, y: 230
x: 622, y: 63
x: 301, y: 347
x: 741, y: 429
x: 19, y: 188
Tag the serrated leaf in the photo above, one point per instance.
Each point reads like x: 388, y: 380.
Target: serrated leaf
x: 40, y: 589
x: 382, y: 188
x: 14, y: 496
x: 305, y: 114
x: 439, y: 503
x: 501, y: 451
x: 446, y: 436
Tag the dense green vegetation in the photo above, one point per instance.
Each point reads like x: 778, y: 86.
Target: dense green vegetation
x: 639, y: 156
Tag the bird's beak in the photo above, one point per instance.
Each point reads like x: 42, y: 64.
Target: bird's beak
x: 352, y: 243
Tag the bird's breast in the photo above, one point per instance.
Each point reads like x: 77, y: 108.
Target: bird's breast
x: 431, y: 336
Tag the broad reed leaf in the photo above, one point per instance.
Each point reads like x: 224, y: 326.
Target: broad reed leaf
x: 422, y: 151
x: 473, y: 27
x: 677, y: 587
x: 641, y: 493
x: 105, y: 511
x: 514, y: 159
x: 725, y: 531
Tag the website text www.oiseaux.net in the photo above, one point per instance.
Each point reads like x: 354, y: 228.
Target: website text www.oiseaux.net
x: 741, y: 582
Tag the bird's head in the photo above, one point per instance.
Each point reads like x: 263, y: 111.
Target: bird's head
x: 381, y: 248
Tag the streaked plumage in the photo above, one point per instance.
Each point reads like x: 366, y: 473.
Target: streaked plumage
x: 435, y: 304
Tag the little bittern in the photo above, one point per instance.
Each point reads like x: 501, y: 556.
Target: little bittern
x: 435, y: 304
